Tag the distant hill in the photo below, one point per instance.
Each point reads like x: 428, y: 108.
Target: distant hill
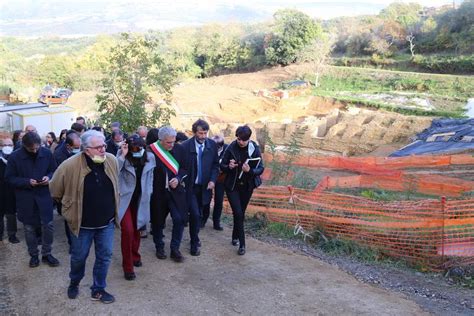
x: 85, y: 17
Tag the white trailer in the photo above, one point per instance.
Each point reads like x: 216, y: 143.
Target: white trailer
x: 48, y: 119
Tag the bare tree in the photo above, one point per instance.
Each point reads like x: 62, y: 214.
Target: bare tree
x: 411, y: 39
x: 315, y: 54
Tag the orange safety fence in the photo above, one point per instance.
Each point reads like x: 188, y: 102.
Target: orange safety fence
x: 434, y: 234
x: 377, y: 165
x: 427, y: 184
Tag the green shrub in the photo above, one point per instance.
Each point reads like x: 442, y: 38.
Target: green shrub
x: 446, y: 64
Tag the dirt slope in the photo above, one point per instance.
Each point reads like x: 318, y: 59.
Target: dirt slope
x: 268, y: 280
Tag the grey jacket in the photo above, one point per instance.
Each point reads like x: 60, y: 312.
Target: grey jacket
x: 127, y: 181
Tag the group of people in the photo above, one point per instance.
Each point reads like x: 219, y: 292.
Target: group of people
x: 124, y: 181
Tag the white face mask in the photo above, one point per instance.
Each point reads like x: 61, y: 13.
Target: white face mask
x: 139, y: 154
x: 7, y: 150
x: 98, y: 159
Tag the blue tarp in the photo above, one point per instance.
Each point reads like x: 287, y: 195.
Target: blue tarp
x: 427, y: 143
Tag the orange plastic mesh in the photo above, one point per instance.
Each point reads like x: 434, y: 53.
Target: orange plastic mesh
x: 432, y: 233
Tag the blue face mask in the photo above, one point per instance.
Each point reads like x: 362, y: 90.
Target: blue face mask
x: 76, y: 150
x: 138, y: 154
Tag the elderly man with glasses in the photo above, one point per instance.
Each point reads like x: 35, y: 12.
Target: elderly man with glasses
x: 87, y: 186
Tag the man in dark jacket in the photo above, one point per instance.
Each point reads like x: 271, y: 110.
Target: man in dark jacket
x: 7, y: 194
x: 29, y: 170
x: 202, y: 164
x: 218, y: 190
x: 168, y: 192
x: 115, y: 141
x: 71, y: 146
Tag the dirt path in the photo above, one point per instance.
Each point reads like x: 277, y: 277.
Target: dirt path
x: 268, y: 280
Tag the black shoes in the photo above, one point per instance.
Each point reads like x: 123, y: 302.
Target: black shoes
x: 50, y: 260
x: 161, y: 254
x: 137, y: 263
x: 218, y: 227
x: 241, y: 251
x: 235, y: 242
x: 195, y: 251
x: 176, y: 256
x: 130, y: 276
x: 73, y: 290
x: 13, y: 239
x: 102, y: 296
x: 34, y: 262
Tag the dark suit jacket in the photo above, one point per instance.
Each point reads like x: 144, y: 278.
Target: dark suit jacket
x: 21, y: 168
x: 111, y: 147
x: 7, y: 193
x: 178, y: 195
x: 61, y: 154
x: 210, y: 167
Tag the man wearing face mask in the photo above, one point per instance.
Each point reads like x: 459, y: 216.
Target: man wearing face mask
x: 202, y: 164
x: 87, y: 186
x: 71, y: 146
x: 7, y: 195
x: 136, y: 168
x: 115, y: 142
x: 28, y: 171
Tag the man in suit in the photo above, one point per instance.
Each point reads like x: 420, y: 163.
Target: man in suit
x: 29, y: 170
x: 169, y: 195
x: 218, y: 190
x: 202, y: 163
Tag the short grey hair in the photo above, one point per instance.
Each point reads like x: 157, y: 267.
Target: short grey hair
x: 87, y: 136
x: 166, y: 131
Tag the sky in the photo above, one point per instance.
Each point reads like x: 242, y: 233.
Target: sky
x: 317, y: 8
x: 74, y: 17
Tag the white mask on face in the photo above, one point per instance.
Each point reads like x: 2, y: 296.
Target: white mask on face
x: 7, y: 150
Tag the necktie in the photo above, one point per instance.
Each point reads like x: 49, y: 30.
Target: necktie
x: 199, y: 179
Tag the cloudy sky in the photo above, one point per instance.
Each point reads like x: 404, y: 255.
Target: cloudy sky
x: 63, y: 17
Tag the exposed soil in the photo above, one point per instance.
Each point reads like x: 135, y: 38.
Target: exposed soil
x: 268, y: 280
x: 432, y: 291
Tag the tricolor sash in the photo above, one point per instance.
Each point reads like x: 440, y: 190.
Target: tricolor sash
x: 165, y: 156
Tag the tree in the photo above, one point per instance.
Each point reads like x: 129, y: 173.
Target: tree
x: 411, y: 41
x: 293, y: 31
x: 136, y: 68
x: 316, y: 54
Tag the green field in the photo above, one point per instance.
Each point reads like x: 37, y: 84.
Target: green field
x: 404, y: 92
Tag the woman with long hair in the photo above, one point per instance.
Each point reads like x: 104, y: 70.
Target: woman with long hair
x: 51, y: 141
x: 136, y: 167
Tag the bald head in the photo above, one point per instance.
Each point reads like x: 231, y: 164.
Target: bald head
x: 30, y: 128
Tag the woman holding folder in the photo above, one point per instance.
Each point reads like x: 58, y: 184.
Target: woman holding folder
x: 242, y: 163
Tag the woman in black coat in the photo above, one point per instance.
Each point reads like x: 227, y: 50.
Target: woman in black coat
x: 242, y: 163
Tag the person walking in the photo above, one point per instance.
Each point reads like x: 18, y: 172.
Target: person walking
x: 218, y: 190
x: 242, y: 163
x: 7, y: 195
x: 169, y: 195
x: 28, y: 171
x: 202, y: 165
x: 87, y: 187
x: 136, y: 167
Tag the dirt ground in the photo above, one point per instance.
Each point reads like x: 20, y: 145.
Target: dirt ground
x: 268, y: 280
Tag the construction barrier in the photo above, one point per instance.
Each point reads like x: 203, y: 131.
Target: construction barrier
x: 433, y: 234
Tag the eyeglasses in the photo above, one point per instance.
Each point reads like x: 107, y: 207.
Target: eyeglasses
x: 104, y: 147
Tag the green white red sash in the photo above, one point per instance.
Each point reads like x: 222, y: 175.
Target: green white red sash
x: 165, y: 157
